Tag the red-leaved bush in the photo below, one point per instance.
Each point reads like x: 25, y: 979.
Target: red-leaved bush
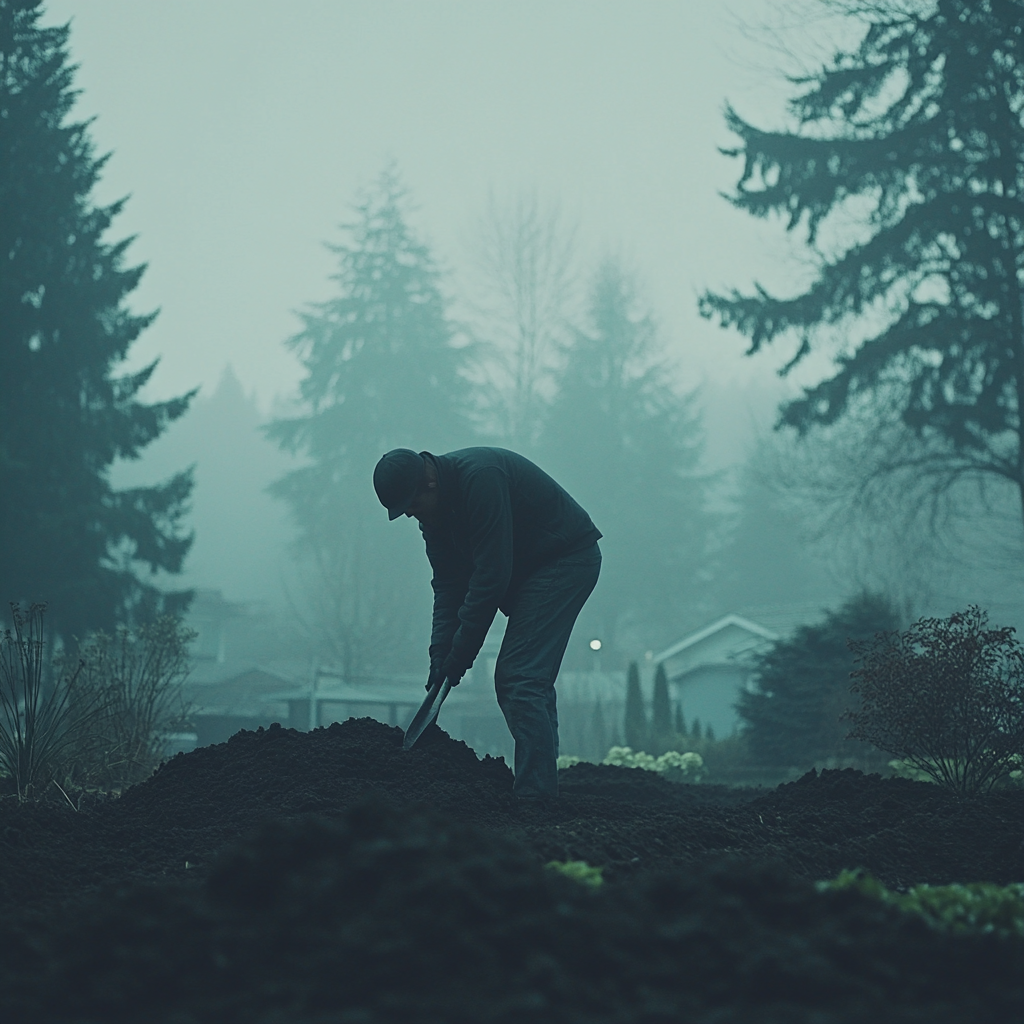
x: 945, y: 696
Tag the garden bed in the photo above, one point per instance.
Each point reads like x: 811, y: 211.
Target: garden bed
x: 330, y: 876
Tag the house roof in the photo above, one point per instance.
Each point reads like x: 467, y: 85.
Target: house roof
x: 246, y: 693
x: 709, y: 631
x: 355, y: 693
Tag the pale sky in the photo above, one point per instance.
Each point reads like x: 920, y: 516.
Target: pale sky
x: 243, y: 129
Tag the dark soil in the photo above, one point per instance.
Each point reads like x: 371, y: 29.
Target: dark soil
x: 330, y: 876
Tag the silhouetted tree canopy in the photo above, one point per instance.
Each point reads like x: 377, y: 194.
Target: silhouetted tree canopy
x: 66, y: 536
x: 792, y: 716
x: 382, y: 372
x: 916, y: 137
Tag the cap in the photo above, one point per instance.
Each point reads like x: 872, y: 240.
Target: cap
x: 396, y: 479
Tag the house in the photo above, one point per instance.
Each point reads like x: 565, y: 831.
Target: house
x: 243, y: 700
x: 331, y: 697
x: 707, y: 670
x: 241, y: 659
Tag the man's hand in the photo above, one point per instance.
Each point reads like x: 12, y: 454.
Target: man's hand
x: 451, y: 672
x: 442, y: 670
x: 436, y: 677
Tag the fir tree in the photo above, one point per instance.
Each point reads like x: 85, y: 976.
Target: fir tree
x: 599, y: 731
x: 382, y: 372
x: 793, y: 716
x: 680, y: 722
x: 635, y: 724
x: 916, y: 137
x: 69, y: 538
x: 626, y: 443
x: 661, y: 712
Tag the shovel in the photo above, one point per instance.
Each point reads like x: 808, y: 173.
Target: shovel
x: 427, y: 713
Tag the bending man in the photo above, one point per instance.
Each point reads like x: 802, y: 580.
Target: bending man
x: 500, y: 534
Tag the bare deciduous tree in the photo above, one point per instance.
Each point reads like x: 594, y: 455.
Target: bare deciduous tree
x: 890, y: 511
x: 526, y: 290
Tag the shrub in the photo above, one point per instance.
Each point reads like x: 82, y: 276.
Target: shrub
x: 673, y: 763
x: 974, y: 907
x: 945, y: 697
x: 42, y: 723
x: 793, y: 717
x: 139, y: 672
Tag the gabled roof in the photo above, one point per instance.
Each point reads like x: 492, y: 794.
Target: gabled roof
x: 243, y: 693
x: 708, y: 631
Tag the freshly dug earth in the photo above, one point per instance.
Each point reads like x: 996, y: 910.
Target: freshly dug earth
x: 330, y: 876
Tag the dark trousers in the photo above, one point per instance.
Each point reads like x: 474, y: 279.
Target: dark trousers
x: 537, y: 634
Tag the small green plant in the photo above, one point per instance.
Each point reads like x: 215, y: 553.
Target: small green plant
x: 579, y: 871
x: 974, y: 907
x: 903, y: 770
x: 568, y: 760
x: 689, y: 765
x: 945, y: 698
x: 42, y: 721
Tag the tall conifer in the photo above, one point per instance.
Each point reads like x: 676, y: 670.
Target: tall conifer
x: 661, y: 711
x: 635, y: 725
x: 626, y: 443
x: 67, y: 536
x: 904, y: 173
x: 382, y: 372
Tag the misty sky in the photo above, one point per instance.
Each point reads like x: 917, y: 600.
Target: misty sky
x: 243, y: 129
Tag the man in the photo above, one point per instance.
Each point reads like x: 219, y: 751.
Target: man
x: 500, y: 533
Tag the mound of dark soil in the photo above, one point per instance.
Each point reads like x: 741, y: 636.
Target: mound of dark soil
x: 330, y: 876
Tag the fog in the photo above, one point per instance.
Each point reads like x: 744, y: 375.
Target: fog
x: 245, y: 132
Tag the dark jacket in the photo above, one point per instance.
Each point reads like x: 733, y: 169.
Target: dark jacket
x: 504, y: 518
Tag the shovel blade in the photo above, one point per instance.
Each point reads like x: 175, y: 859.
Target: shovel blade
x: 427, y: 713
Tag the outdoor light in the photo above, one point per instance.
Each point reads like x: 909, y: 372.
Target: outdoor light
x: 595, y: 645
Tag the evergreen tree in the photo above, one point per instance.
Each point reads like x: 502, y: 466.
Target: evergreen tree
x: 661, y: 712
x: 69, y: 537
x: 626, y: 443
x: 792, y: 717
x: 679, y: 721
x: 599, y: 732
x: 916, y: 136
x: 382, y: 372
x: 635, y: 724
x: 768, y: 559
x: 242, y: 533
